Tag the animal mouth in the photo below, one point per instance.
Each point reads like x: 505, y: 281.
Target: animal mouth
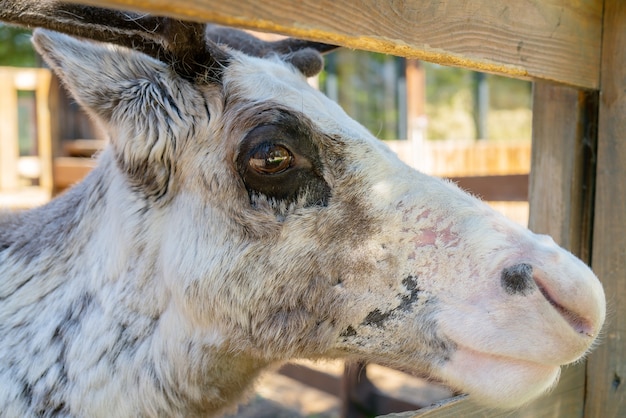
x: 512, y: 381
x: 504, y: 359
x: 577, y: 322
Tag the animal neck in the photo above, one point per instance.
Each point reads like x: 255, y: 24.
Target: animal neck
x: 84, y: 228
x: 91, y: 262
x: 200, y: 372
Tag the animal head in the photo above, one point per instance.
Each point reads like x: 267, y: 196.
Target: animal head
x: 284, y: 229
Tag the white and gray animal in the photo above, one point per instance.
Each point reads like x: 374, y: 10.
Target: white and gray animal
x: 239, y: 219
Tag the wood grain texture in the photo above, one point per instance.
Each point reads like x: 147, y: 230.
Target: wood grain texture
x: 562, y: 167
x: 606, y: 373
x: 70, y: 170
x: 561, y: 196
x: 555, y: 40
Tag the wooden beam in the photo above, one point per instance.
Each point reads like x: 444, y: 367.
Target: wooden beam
x: 561, y: 196
x: 322, y: 381
x: 606, y: 372
x: 562, y: 158
x: 70, y: 170
x: 504, y: 188
x: 44, y: 129
x: 9, y: 150
x: 556, y: 40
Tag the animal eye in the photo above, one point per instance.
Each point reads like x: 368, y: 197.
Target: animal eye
x: 270, y: 159
x: 281, y: 162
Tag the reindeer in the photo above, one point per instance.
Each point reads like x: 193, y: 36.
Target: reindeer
x: 239, y: 219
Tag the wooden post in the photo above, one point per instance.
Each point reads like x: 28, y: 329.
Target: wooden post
x: 416, y: 112
x: 44, y: 130
x: 606, y: 372
x: 416, y: 92
x: 560, y: 196
x: 561, y: 175
x: 9, y: 151
x: 356, y: 389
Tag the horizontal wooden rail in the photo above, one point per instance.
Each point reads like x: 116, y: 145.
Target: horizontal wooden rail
x: 70, y: 170
x: 504, y: 188
x: 353, y: 386
x: 556, y: 40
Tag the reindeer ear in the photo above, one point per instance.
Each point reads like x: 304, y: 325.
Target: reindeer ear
x: 98, y: 75
x: 131, y: 94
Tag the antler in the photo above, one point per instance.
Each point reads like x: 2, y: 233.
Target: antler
x: 304, y: 55
x: 87, y: 22
x: 173, y: 41
x: 182, y: 44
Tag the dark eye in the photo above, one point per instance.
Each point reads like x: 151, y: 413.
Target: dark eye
x: 281, y: 162
x: 270, y: 159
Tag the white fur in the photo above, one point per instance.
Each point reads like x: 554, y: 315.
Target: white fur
x: 165, y: 293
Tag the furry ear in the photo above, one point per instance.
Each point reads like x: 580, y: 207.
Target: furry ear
x: 136, y: 97
x: 100, y: 76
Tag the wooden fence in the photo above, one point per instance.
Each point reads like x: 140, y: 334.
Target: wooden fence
x: 497, y: 172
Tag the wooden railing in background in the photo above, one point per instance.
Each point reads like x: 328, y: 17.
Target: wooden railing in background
x: 497, y: 172
x: 76, y: 163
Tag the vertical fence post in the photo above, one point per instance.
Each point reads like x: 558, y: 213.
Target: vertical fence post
x: 560, y: 198
x: 9, y: 150
x: 606, y: 372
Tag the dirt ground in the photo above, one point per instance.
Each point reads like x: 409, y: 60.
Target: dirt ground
x: 278, y: 396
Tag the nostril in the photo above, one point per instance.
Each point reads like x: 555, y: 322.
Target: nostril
x: 580, y: 324
x: 518, y: 279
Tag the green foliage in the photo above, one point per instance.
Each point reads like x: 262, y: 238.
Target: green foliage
x: 370, y: 87
x: 443, y: 84
x: 509, y: 93
x: 450, y: 94
x: 366, y: 84
x: 15, y: 47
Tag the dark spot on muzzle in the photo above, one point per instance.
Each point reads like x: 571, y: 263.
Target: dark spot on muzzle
x: 349, y: 332
x: 408, y: 301
x: 376, y: 318
x: 518, y: 279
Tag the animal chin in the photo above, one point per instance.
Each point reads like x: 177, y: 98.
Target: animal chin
x: 511, y: 382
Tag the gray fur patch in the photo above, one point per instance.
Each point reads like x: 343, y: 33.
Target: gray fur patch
x: 51, y: 227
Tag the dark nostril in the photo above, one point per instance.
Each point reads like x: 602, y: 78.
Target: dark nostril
x: 518, y: 279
